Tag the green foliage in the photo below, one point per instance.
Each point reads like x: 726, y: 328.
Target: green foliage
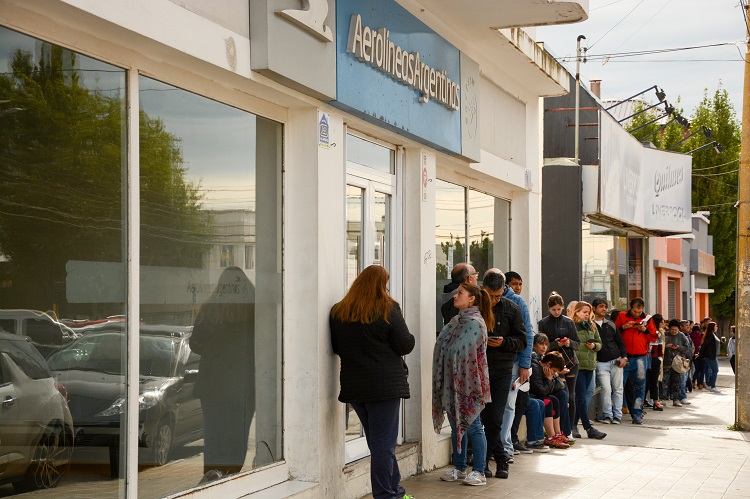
x: 736, y: 427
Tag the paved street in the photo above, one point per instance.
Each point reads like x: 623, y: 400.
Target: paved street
x: 680, y: 452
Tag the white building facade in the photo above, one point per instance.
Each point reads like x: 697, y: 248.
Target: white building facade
x: 296, y: 141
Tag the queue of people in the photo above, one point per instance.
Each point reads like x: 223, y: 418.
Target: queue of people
x: 490, y: 369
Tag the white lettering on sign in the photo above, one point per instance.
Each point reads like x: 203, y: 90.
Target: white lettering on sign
x: 311, y: 18
x: 373, y: 46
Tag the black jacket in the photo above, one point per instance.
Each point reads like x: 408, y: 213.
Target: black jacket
x: 371, y: 365
x: 708, y: 349
x: 557, y: 328
x: 539, y: 386
x: 612, y: 345
x: 509, y: 325
x: 448, y: 310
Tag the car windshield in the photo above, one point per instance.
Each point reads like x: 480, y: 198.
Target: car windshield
x: 103, y: 353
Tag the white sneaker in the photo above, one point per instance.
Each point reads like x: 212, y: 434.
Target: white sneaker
x: 453, y: 475
x: 685, y: 402
x: 676, y: 403
x: 714, y: 390
x: 475, y: 478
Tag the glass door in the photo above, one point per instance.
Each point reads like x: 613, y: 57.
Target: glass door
x: 370, y: 225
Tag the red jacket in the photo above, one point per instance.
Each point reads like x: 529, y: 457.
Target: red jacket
x: 636, y: 342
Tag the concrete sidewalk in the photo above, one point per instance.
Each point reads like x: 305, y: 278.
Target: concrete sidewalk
x: 680, y: 452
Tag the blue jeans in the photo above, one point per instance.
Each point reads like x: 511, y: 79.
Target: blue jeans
x: 508, y: 417
x: 534, y: 420
x: 478, y: 445
x: 562, y: 397
x: 380, y: 422
x: 584, y: 391
x: 711, y: 371
x: 683, y: 385
x: 635, y: 370
x: 610, y: 381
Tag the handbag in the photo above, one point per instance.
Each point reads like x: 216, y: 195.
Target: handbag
x: 680, y: 364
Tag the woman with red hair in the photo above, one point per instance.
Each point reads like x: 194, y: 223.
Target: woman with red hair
x: 369, y: 334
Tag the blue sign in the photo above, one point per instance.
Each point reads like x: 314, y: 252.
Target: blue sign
x: 394, y: 71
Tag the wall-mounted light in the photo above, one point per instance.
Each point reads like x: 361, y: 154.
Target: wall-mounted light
x: 717, y: 147
x: 706, y: 131
x: 660, y: 94
x: 668, y: 110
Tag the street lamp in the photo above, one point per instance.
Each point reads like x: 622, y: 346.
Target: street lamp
x: 668, y: 110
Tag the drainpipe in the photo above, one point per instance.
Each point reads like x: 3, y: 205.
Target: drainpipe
x: 692, y: 298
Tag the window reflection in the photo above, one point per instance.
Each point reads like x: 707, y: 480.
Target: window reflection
x: 62, y: 264
x: 369, y: 154
x: 481, y: 231
x: 210, y: 251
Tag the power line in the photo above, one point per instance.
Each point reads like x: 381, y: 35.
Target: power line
x: 617, y: 55
x: 642, y: 25
x: 616, y: 24
x: 717, y: 166
x: 715, y: 174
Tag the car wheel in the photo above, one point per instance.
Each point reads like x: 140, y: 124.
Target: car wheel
x: 162, y: 443
x: 50, y: 461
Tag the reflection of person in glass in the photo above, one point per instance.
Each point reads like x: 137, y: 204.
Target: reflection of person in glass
x: 370, y: 335
x: 224, y: 336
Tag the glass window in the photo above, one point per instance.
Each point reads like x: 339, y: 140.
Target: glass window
x: 366, y: 153
x: 63, y: 216
x: 210, y: 182
x: 227, y: 256
x: 354, y: 217
x: 462, y: 214
x: 249, y: 257
x: 481, y: 231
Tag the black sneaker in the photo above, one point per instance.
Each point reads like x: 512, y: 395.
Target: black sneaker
x: 521, y: 448
x: 488, y: 472
x: 575, y: 432
x: 502, y: 467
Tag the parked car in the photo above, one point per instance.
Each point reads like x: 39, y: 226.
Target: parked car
x: 47, y: 334
x: 36, y: 428
x: 93, y: 370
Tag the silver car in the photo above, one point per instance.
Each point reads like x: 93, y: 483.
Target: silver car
x: 36, y: 428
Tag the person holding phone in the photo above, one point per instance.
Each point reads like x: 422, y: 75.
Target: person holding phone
x: 507, y: 338
x: 563, y: 338
x: 590, y: 344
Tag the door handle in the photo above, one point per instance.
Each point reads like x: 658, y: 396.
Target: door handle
x: 9, y: 401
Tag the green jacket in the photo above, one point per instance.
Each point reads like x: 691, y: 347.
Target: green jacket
x: 586, y: 356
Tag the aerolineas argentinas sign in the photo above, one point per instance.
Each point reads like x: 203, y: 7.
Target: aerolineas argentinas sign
x: 373, y: 47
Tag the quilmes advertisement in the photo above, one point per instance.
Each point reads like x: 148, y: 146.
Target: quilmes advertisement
x: 642, y: 186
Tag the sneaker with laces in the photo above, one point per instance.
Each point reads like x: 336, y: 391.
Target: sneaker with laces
x: 521, y: 449
x: 571, y: 439
x: 676, y: 403
x: 616, y: 421
x: 648, y: 404
x: 685, y: 402
x: 538, y: 447
x: 562, y: 438
x: 713, y: 389
x: 575, y: 432
x: 658, y: 407
x: 554, y: 443
x: 474, y: 478
x: 637, y: 420
x: 453, y: 475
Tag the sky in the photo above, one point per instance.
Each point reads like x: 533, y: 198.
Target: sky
x: 618, y: 26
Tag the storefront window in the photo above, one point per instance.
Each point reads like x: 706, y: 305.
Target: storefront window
x: 462, y: 214
x: 63, y: 218
x: 612, y: 266
x: 210, y: 187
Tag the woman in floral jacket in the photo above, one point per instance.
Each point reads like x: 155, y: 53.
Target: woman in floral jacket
x: 460, y: 380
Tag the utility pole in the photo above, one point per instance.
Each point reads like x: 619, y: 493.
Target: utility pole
x: 742, y: 314
x: 578, y: 93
